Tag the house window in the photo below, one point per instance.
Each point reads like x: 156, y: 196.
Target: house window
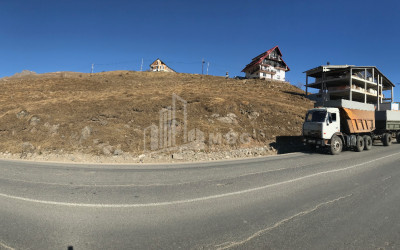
x: 278, y: 77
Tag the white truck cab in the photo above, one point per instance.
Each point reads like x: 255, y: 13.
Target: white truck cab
x: 320, y: 125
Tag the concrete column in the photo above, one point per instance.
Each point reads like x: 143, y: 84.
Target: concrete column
x: 307, y: 85
x: 391, y: 94
x: 377, y: 95
x: 365, y: 86
x: 373, y: 75
x: 380, y: 98
x: 351, y: 85
x: 323, y: 88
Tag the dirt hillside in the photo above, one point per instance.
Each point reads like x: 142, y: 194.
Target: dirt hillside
x: 105, y: 114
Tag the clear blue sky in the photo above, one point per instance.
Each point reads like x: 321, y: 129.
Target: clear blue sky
x: 48, y: 36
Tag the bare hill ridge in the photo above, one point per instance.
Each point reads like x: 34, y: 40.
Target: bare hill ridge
x: 105, y: 114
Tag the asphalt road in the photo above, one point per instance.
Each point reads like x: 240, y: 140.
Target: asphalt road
x: 302, y: 201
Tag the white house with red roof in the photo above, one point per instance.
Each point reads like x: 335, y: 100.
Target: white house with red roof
x: 268, y: 65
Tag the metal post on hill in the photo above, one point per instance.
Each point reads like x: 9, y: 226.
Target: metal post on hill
x: 91, y: 72
x: 202, y: 66
x: 141, y: 66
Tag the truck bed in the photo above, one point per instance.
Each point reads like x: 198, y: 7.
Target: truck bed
x: 357, y: 121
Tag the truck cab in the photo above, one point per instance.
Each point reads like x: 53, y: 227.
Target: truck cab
x: 320, y: 125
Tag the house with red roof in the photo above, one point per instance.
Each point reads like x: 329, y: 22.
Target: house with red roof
x: 268, y: 65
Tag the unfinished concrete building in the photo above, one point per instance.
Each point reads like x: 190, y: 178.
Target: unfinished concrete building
x: 364, y: 84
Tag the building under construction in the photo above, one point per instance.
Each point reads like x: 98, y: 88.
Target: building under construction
x: 364, y: 84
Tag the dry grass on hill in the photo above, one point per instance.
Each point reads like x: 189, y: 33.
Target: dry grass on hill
x: 104, y: 112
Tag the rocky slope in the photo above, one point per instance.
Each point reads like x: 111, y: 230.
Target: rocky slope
x: 104, y: 116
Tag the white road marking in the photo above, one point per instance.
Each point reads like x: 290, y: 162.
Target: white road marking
x: 2, y: 245
x: 227, y: 245
x: 156, y: 204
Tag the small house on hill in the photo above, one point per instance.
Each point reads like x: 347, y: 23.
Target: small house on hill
x: 268, y: 65
x: 159, y: 65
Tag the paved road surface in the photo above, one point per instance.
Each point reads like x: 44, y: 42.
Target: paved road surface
x: 304, y: 201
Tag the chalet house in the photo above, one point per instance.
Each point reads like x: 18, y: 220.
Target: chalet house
x: 159, y: 65
x: 268, y: 65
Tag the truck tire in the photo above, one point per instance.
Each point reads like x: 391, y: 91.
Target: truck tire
x: 387, y: 139
x: 398, y: 137
x: 359, y: 144
x: 336, y: 145
x: 367, y: 142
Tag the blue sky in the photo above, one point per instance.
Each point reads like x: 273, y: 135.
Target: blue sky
x: 48, y: 36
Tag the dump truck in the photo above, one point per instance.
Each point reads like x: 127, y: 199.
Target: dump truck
x: 347, y: 127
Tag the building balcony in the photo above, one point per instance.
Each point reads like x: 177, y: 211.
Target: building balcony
x: 268, y: 71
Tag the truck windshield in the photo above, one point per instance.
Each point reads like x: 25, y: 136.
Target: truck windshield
x: 316, y: 116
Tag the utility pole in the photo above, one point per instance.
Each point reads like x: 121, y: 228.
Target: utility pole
x: 91, y: 72
x: 141, y: 66
x: 208, y: 65
x: 202, y: 66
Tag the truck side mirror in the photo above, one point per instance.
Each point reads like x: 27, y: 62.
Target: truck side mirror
x: 329, y: 119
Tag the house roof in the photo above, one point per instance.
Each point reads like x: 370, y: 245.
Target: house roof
x: 258, y: 59
x: 156, y: 61
x: 162, y: 63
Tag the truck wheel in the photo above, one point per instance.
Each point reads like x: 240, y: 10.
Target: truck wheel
x: 359, y: 144
x: 398, y: 137
x: 387, y: 139
x: 336, y: 145
x: 367, y: 142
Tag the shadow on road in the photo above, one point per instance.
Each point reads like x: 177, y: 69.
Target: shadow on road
x: 292, y: 144
x: 289, y: 144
